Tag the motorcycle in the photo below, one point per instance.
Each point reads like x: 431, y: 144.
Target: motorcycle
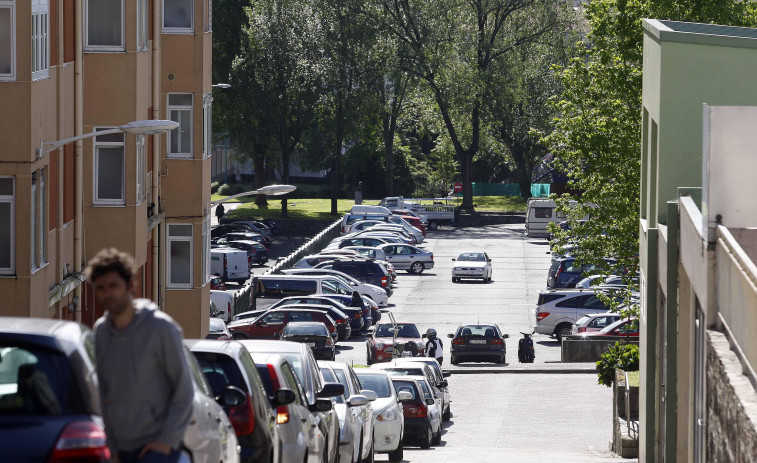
x: 526, y: 352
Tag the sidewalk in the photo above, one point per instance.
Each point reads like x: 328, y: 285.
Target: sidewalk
x: 227, y: 207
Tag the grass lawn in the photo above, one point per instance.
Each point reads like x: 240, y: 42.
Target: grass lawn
x: 634, y: 379
x: 319, y: 209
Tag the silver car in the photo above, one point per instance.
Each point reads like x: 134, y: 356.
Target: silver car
x: 407, y: 257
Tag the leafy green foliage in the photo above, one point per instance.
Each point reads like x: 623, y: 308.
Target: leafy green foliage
x: 622, y: 356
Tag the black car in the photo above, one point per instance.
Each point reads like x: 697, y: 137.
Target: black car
x: 228, y: 364
x: 354, y: 314
x: 315, y: 335
x: 415, y: 410
x: 364, y: 270
x: 478, y: 343
x: 48, y: 392
x: 225, y: 229
x: 245, y: 236
x: 341, y: 319
x: 256, y: 251
x: 565, y: 272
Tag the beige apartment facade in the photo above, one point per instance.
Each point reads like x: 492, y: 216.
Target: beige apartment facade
x: 77, y: 67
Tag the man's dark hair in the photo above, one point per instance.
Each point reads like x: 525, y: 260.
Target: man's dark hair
x: 110, y: 260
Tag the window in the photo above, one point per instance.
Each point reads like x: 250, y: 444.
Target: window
x: 178, y: 16
x: 207, y: 125
x: 109, y: 169
x: 179, y: 256
x: 141, y: 168
x: 7, y: 225
x: 40, y: 39
x: 38, y: 220
x: 35, y: 226
x: 142, y: 24
x: 104, y: 25
x: 208, y: 4
x: 7, y: 40
x: 206, y: 250
x: 42, y: 214
x: 543, y: 212
x: 180, y: 138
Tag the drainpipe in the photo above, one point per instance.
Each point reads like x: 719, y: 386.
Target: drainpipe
x: 60, y: 274
x: 78, y: 150
x: 156, y: 30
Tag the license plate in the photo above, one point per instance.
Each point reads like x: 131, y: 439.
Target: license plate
x: 477, y: 341
x: 388, y: 350
x: 311, y: 344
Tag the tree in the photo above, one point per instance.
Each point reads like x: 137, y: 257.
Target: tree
x: 596, y: 137
x: 454, y: 46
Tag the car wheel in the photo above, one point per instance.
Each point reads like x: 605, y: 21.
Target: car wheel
x: 417, y: 267
x: 447, y: 415
x: 454, y: 280
x: 433, y: 225
x: 562, y: 330
x: 438, y: 437
x: 427, y: 439
x: 453, y: 361
x: 398, y: 454
x: 502, y: 359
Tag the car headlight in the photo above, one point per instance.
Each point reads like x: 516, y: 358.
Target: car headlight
x: 389, y: 414
x: 378, y: 291
x: 379, y: 345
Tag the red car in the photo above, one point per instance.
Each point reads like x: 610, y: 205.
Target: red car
x: 624, y: 327
x: 415, y: 222
x: 381, y: 343
x: 272, y: 323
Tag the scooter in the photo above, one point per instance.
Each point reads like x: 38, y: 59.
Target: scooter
x: 526, y: 353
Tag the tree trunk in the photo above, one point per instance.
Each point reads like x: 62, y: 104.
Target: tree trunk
x: 389, y: 154
x: 467, y: 161
x: 258, y: 162
x: 336, y: 166
x: 286, y: 157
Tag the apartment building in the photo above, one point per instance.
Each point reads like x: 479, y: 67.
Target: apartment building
x: 72, y: 68
x: 698, y: 247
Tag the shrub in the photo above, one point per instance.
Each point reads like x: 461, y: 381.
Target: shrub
x: 224, y: 190
x: 214, y: 187
x: 623, y: 356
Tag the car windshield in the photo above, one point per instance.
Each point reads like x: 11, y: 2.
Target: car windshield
x: 404, y: 331
x: 376, y: 383
x: 328, y: 376
x: 425, y: 390
x: 486, y: 331
x: 216, y: 324
x: 305, y: 329
x: 472, y: 257
x: 405, y: 371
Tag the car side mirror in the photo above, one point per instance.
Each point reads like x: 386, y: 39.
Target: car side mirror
x: 450, y: 335
x: 370, y: 395
x: 489, y: 260
x: 284, y: 397
x: 423, y: 335
x: 331, y: 390
x: 404, y: 396
x: 430, y: 401
x: 232, y: 396
x: 358, y: 401
x: 323, y: 405
x: 506, y: 336
x: 453, y: 259
x: 443, y: 383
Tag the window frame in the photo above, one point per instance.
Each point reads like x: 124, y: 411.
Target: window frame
x: 207, y: 16
x: 11, y: 199
x: 141, y: 150
x: 178, y: 30
x: 205, y: 250
x: 96, y: 200
x: 40, y: 39
x: 104, y: 48
x: 11, y: 5
x: 179, y: 238
x: 207, y: 125
x: 170, y: 135
x: 143, y: 25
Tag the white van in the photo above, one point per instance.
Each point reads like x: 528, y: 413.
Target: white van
x: 268, y: 289
x: 224, y: 303
x: 539, y: 213
x: 366, y: 209
x: 232, y: 264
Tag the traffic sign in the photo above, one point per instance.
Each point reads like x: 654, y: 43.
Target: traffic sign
x: 457, y: 187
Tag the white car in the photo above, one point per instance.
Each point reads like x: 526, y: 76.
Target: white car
x: 473, y: 265
x: 376, y: 293
x: 594, y: 322
x: 389, y: 428
x: 224, y: 303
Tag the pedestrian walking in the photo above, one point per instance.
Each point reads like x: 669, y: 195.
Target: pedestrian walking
x: 220, y: 212
x: 146, y: 390
x: 434, y: 346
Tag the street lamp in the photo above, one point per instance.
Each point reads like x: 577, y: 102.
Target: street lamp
x: 221, y: 85
x: 149, y: 127
x: 270, y: 190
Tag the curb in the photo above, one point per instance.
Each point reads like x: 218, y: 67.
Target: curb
x: 522, y: 371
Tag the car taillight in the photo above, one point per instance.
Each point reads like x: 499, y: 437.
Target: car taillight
x: 81, y: 441
x: 274, y: 377
x: 242, y: 417
x: 383, y: 282
x: 228, y: 313
x: 249, y: 260
x: 559, y: 271
x: 329, y: 342
x: 415, y: 410
x: 458, y: 341
x: 358, y: 316
x: 224, y: 261
x: 224, y: 337
x: 541, y: 316
x: 581, y: 329
x: 498, y: 342
x: 342, y: 228
x: 332, y: 328
x: 432, y: 256
x: 282, y: 414
x: 342, y: 321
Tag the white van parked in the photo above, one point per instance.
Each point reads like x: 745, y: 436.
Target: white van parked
x: 224, y: 303
x: 230, y: 263
x: 539, y: 213
x: 366, y: 209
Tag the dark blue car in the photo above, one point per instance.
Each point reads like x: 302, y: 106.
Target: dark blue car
x: 565, y: 272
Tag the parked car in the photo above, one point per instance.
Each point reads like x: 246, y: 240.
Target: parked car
x: 409, y: 258
x: 418, y: 425
x: 624, y: 327
x: 434, y: 407
x: 268, y: 289
x: 419, y: 369
x: 224, y: 303
x: 218, y: 330
x: 473, y: 265
x: 388, y: 236
x: 375, y: 290
x: 354, y: 314
x: 228, y: 366
x: 565, y: 272
x: 225, y: 229
x: 245, y: 236
x: 255, y: 226
x: 371, y: 308
x: 362, y: 241
x: 354, y: 411
x: 439, y: 379
x: 232, y: 264
x: 478, y: 343
x: 257, y: 253
x: 315, y: 259
x: 367, y: 251
x: 300, y: 438
x: 365, y: 271
x: 340, y: 319
x: 272, y: 323
x: 594, y: 322
x: 558, y: 310
x: 380, y: 346
x: 389, y: 427
x: 318, y: 392
x: 216, y: 283
x: 315, y: 335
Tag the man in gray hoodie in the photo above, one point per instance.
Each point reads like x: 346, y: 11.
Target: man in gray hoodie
x: 145, y: 385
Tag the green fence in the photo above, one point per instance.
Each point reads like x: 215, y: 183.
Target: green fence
x: 539, y: 190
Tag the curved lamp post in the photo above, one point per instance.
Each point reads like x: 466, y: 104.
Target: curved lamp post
x: 149, y: 127
x: 270, y: 190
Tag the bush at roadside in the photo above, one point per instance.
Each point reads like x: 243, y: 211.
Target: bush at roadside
x: 623, y: 356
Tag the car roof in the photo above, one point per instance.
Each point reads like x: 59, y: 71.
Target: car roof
x: 61, y: 334
x: 477, y: 325
x: 213, y: 345
x: 371, y: 371
x: 295, y: 324
x: 261, y: 345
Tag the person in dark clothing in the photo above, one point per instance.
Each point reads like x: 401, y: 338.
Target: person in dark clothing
x: 220, y: 211
x: 434, y: 347
x: 357, y: 300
